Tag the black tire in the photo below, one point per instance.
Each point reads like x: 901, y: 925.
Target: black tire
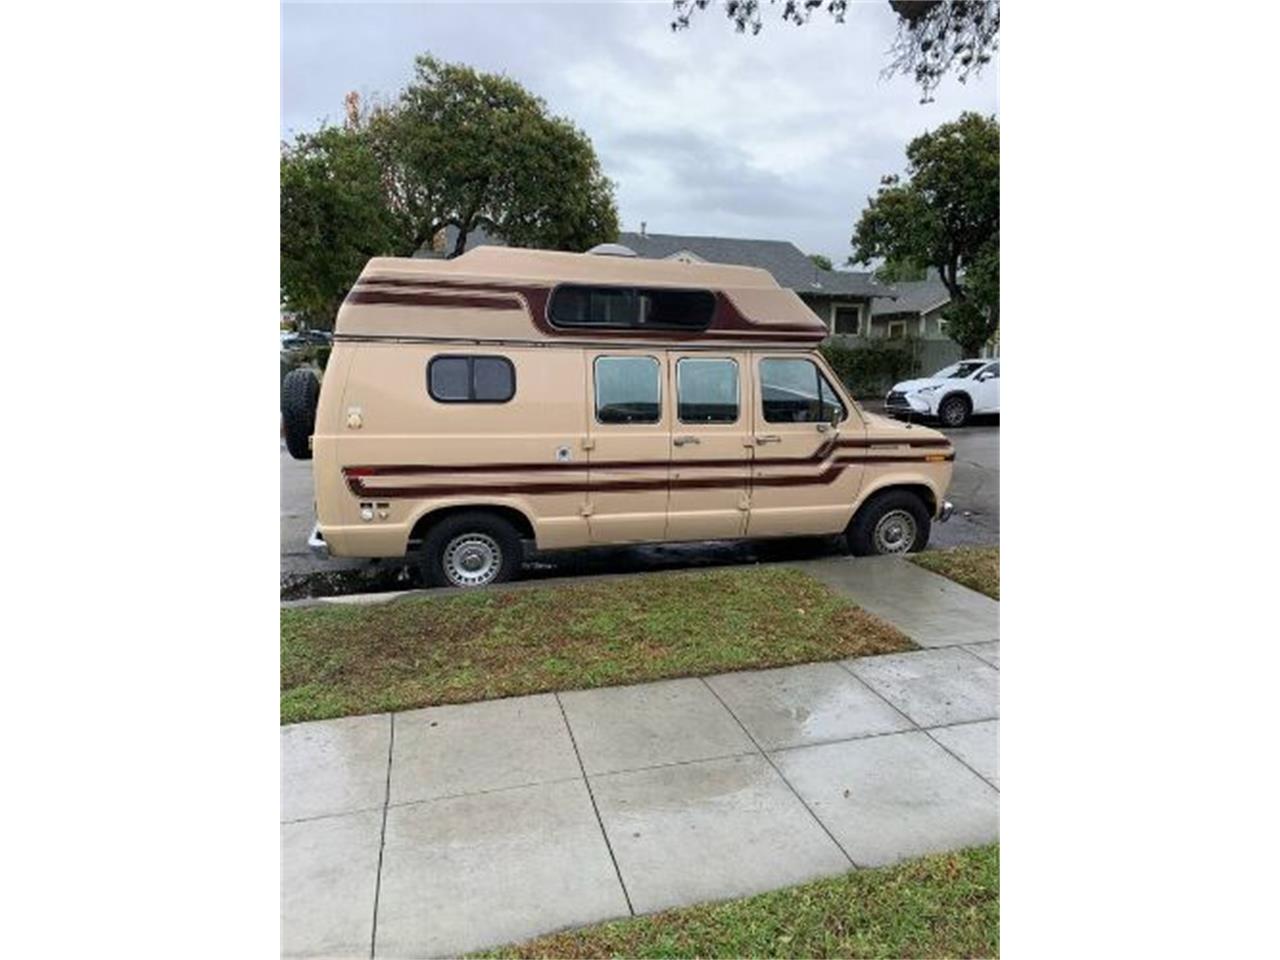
x: 861, y: 534
x: 299, y: 394
x: 488, y: 530
x: 954, y: 410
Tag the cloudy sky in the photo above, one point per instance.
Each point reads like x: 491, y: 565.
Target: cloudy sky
x: 777, y: 136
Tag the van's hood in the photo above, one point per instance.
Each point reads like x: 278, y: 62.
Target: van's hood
x: 888, y: 430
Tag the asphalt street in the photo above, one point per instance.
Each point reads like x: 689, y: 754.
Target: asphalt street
x: 975, y: 491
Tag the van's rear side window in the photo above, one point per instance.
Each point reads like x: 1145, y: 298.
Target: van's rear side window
x: 573, y: 305
x: 456, y: 378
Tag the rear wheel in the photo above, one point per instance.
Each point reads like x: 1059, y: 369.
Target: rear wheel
x: 895, y: 521
x: 471, y: 549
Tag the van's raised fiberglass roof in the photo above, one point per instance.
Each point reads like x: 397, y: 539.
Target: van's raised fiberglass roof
x: 506, y: 293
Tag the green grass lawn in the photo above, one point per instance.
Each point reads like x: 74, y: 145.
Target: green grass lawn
x: 976, y: 567
x: 940, y: 906
x: 419, y: 651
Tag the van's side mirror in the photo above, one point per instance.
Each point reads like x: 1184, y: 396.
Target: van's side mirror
x: 837, y: 415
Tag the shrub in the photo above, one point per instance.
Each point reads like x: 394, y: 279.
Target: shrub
x: 870, y: 367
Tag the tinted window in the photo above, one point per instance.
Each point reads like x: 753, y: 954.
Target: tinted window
x: 708, y: 390
x: 462, y: 379
x: 794, y: 391
x: 627, y: 390
x: 992, y: 371
x: 492, y: 379
x: 631, y: 307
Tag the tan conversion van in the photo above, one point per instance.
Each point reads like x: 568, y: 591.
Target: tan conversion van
x: 574, y: 400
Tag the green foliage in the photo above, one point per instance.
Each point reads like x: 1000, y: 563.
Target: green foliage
x: 874, y: 365
x: 897, y: 271
x: 457, y: 148
x: 334, y: 216
x: 821, y: 261
x: 946, y: 214
x: 470, y: 149
x: 934, y: 37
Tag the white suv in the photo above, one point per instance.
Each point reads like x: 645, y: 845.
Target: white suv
x: 953, y: 394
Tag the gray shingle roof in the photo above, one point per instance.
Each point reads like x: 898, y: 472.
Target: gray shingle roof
x: 789, y: 266
x: 916, y: 296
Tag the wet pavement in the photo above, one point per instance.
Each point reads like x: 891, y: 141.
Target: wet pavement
x: 975, y: 491
x: 438, y: 831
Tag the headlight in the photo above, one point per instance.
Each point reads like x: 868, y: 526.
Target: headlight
x: 927, y: 389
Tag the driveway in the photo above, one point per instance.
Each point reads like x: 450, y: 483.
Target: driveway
x: 975, y: 491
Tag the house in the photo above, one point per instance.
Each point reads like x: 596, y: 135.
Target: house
x: 916, y: 311
x: 842, y: 299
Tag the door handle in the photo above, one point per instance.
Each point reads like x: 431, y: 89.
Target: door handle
x: 681, y: 441
x: 768, y: 438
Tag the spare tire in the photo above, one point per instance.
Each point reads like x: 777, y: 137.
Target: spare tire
x: 299, y: 394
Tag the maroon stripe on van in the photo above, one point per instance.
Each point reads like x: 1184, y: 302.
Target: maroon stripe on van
x: 424, y: 299
x: 356, y: 476
x: 820, y: 454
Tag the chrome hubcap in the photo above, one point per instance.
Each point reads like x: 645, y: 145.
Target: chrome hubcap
x: 472, y: 560
x: 953, y: 413
x: 896, y: 532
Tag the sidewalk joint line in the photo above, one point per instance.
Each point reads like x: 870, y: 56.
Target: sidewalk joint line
x: 966, y: 649
x: 925, y: 730
x: 382, y: 840
x: 595, y: 807
x: 769, y: 760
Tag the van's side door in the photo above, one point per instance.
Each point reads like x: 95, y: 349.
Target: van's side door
x: 802, y: 479
x: 710, y: 445
x: 629, y: 445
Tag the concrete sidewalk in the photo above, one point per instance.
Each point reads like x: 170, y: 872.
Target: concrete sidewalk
x: 438, y: 831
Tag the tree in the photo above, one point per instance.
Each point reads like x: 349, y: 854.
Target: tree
x: 334, y: 216
x: 945, y: 214
x: 456, y: 148
x: 820, y: 260
x: 934, y: 36
x: 893, y: 271
x: 468, y: 149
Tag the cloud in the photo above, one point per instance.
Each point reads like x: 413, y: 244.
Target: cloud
x: 779, y: 136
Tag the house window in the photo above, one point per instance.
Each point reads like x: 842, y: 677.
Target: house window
x: 847, y: 320
x: 456, y: 378
x: 897, y: 329
x: 627, y: 390
x: 573, y: 305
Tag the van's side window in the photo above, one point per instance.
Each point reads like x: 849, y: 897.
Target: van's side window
x: 795, y: 391
x: 465, y: 379
x: 628, y: 390
x: 573, y: 305
x: 707, y: 390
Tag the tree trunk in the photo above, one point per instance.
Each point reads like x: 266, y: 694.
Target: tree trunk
x: 460, y: 245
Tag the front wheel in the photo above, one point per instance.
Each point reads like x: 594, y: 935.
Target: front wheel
x: 471, y: 550
x: 954, y: 411
x: 895, y: 521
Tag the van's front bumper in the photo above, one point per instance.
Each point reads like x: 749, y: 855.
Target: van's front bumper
x: 316, y: 543
x: 945, y: 511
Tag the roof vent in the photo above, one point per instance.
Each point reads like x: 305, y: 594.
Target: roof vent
x: 612, y: 250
